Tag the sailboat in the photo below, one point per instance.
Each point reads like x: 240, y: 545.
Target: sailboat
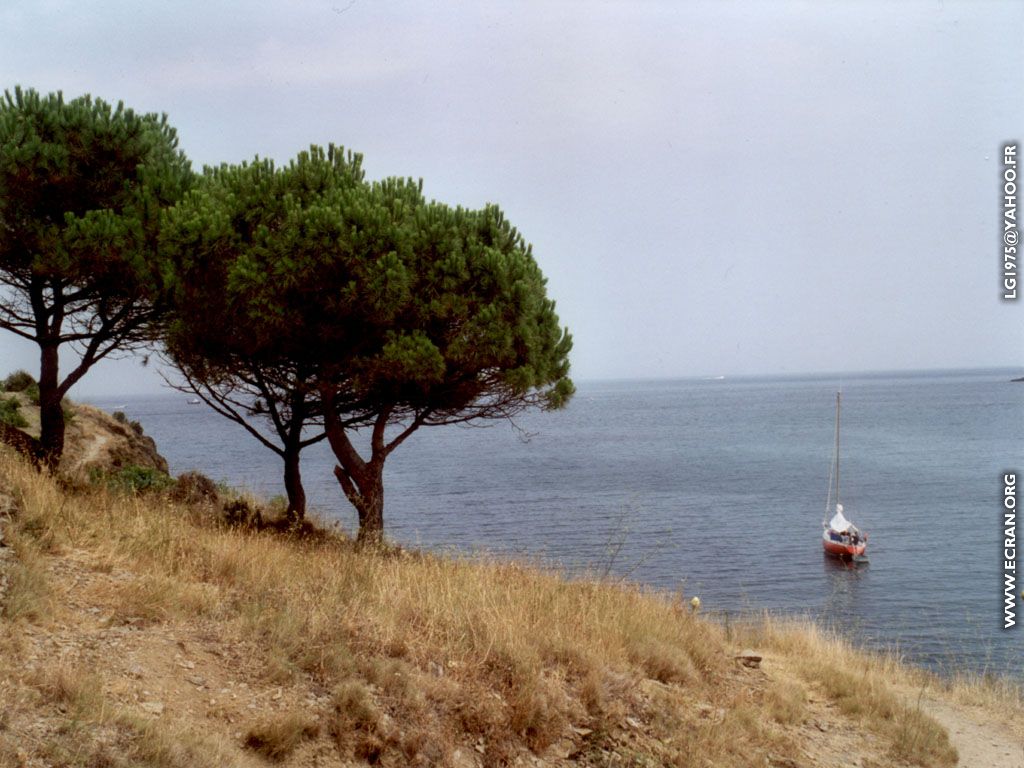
x: 841, y: 538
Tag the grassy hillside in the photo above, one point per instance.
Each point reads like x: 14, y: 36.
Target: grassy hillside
x: 140, y: 632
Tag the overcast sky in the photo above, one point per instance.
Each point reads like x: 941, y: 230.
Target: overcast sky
x: 711, y: 188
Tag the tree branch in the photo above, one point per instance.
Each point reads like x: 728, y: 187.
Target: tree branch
x: 222, y: 406
x: 342, y: 447
x: 417, y: 422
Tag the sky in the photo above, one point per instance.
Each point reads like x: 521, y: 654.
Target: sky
x: 739, y: 188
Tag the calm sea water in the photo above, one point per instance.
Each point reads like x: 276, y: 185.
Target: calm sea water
x: 717, y: 487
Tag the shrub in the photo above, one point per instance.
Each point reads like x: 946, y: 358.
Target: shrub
x: 19, y: 381
x: 242, y: 513
x: 132, y: 479
x: 119, y: 417
x: 32, y: 393
x: 194, y: 488
x: 10, y: 413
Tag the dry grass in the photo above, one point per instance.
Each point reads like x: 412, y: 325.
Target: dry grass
x: 28, y: 593
x: 424, y: 655
x: 96, y: 734
x: 785, y: 702
x: 147, y: 742
x: 277, y: 737
x: 859, y: 684
x: 986, y: 691
x: 67, y: 687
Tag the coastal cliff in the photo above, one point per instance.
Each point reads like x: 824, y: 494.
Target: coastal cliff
x: 94, y: 439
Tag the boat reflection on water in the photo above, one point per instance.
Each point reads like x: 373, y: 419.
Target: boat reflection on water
x: 838, y: 564
x: 844, y: 579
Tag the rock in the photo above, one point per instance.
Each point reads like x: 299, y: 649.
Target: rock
x: 136, y: 671
x: 749, y: 658
x: 153, y: 707
x: 563, y: 749
x: 8, y: 505
x: 22, y: 442
x: 633, y: 723
x: 463, y: 759
x: 777, y: 761
x: 716, y: 714
x: 823, y: 727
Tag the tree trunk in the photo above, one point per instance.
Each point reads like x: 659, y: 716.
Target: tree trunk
x: 293, y: 484
x: 51, y: 415
x: 362, y: 481
x: 366, y: 492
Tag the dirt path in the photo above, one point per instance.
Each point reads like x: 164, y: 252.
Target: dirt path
x: 91, y: 452
x: 981, y: 742
x: 831, y: 740
x: 95, y: 448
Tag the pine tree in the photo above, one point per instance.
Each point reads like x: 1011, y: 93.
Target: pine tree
x: 239, y: 355
x: 401, y: 313
x: 82, y: 188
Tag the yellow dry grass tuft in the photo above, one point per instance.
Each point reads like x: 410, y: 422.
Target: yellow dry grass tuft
x: 785, y: 702
x: 28, y: 595
x: 277, y: 737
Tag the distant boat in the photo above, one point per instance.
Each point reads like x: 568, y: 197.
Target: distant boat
x: 841, y: 538
x: 195, y: 401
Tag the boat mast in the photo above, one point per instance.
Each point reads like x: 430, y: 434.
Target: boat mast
x: 837, y: 448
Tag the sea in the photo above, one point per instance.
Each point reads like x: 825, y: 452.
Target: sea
x: 709, y: 487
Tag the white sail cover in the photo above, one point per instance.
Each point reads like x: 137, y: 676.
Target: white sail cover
x: 839, y: 522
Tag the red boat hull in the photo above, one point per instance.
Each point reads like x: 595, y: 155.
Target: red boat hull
x: 844, y: 551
